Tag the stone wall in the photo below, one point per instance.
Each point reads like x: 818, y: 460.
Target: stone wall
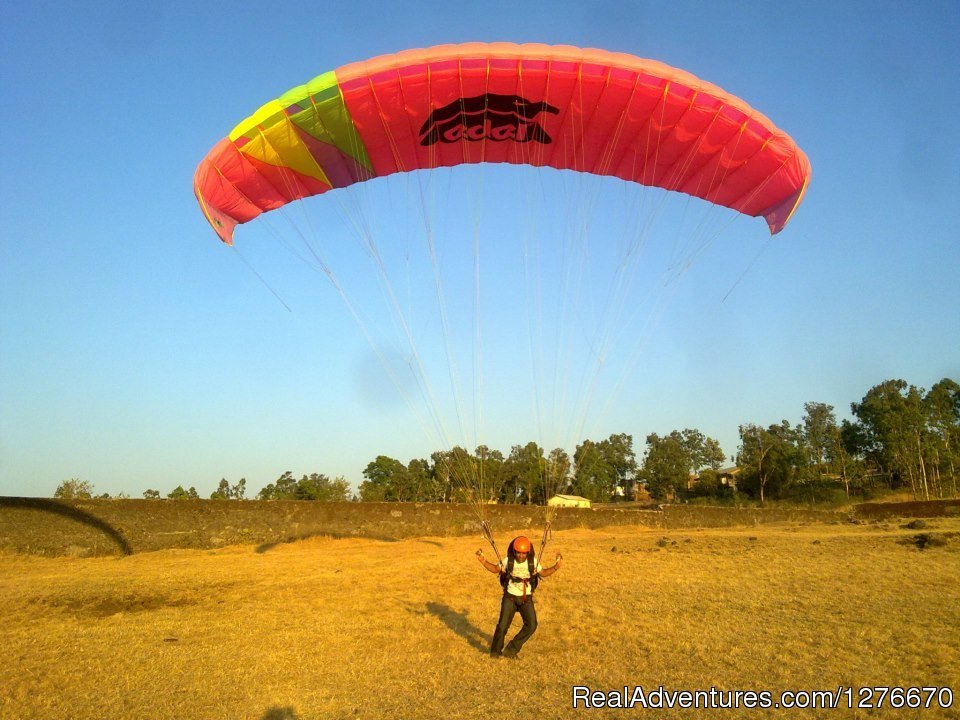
x: 101, y: 527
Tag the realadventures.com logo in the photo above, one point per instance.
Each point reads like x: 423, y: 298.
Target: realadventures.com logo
x: 487, y: 117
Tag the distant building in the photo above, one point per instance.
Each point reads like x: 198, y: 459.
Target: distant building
x: 728, y: 476
x: 574, y: 501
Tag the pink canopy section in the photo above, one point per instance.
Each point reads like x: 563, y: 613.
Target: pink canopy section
x: 568, y: 108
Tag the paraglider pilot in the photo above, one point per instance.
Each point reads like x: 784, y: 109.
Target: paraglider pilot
x: 519, y: 575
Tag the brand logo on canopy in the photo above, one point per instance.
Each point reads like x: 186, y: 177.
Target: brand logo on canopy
x: 487, y: 117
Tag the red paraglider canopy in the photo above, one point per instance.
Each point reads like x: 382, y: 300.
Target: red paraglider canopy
x: 558, y: 106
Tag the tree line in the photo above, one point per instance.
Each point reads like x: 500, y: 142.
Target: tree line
x: 309, y: 487
x: 901, y: 437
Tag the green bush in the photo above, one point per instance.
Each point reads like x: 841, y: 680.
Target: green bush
x: 74, y: 489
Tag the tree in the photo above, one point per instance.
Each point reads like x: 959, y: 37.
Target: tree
x: 222, y: 492
x: 827, y: 448
x: 178, y: 493
x: 315, y: 486
x: 618, y: 450
x: 819, y: 424
x: 771, y: 458
x: 491, y: 474
x: 320, y: 487
x: 556, y: 473
x: 151, y: 494
x: 285, y: 488
x: 893, y: 423
x: 841, y: 460
x: 672, y: 460
x: 942, y: 408
x: 386, y: 480
x: 693, y: 443
x: 457, y: 473
x: 666, y: 465
x: 713, y: 455
x: 422, y: 482
x: 74, y: 489
x: 603, y: 467
x: 524, y: 468
x: 701, y: 451
x: 594, y: 477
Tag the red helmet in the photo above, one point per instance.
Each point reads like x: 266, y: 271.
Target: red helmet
x: 521, y: 545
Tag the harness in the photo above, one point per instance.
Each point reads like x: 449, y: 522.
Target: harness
x: 507, y: 576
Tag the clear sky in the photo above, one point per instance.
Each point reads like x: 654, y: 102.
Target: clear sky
x: 136, y: 351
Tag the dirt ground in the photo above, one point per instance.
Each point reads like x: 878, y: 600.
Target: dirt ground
x: 336, y: 628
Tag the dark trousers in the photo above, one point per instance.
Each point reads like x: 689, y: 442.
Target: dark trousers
x: 509, y: 606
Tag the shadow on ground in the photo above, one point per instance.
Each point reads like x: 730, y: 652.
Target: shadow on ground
x: 71, y: 513
x: 280, y: 713
x: 458, y: 622
x: 266, y: 547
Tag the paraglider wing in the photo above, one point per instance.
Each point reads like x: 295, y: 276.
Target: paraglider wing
x: 556, y: 106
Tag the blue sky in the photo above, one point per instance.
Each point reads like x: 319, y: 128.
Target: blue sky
x: 138, y: 352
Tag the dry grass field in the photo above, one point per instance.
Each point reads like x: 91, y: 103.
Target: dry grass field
x: 341, y: 628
